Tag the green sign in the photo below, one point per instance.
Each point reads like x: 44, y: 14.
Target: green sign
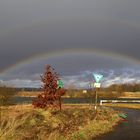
x: 60, y: 84
x: 124, y: 116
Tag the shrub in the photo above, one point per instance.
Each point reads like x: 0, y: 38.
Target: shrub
x: 6, y: 95
x: 52, y: 90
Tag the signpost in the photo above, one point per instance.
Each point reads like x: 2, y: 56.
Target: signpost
x: 59, y: 86
x: 97, y: 85
x: 98, y: 77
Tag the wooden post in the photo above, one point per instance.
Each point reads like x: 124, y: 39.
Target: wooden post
x: 60, y: 103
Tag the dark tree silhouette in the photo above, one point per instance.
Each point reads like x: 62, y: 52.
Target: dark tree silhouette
x: 52, y: 92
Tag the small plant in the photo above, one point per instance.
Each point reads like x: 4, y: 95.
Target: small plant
x: 52, y: 90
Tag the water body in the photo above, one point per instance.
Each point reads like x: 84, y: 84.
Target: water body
x: 127, y: 130
x: 20, y: 100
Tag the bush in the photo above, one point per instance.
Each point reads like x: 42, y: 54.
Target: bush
x: 52, y: 90
x: 6, y: 95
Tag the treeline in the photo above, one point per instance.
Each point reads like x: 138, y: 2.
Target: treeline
x: 114, y: 87
x: 72, y: 93
x: 28, y: 89
x: 123, y: 87
x: 113, y: 91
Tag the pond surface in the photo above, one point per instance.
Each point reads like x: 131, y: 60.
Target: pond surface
x: 20, y: 100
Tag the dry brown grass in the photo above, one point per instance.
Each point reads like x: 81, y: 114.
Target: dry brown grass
x: 22, y: 122
x: 101, y: 94
x: 28, y: 93
x: 131, y: 95
x: 123, y: 105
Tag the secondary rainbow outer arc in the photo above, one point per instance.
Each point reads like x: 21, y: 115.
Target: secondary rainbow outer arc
x: 50, y: 20
x: 62, y: 52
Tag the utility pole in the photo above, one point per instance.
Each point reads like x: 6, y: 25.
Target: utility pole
x: 95, y: 99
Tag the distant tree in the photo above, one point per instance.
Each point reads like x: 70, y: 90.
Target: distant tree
x: 7, y: 94
x: 52, y: 90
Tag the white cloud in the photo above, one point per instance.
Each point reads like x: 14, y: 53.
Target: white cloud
x: 122, y: 76
x: 83, y: 79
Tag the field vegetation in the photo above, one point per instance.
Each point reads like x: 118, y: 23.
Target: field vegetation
x: 123, y: 105
x: 23, y: 122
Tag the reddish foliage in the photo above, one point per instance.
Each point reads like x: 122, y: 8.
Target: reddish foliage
x: 51, y: 95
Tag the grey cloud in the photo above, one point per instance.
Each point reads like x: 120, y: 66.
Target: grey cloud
x: 30, y: 27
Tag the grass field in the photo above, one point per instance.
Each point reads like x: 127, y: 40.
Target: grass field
x: 23, y: 122
x: 28, y: 93
x: 131, y: 95
x: 106, y: 95
x: 124, y: 105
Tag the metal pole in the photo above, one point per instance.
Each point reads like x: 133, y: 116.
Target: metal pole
x: 91, y: 94
x: 95, y: 99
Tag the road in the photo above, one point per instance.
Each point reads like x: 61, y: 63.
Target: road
x: 127, y: 130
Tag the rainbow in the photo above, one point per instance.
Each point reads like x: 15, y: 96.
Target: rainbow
x: 58, y: 53
x: 122, y: 22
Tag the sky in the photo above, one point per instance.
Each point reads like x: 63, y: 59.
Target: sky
x: 76, y: 37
